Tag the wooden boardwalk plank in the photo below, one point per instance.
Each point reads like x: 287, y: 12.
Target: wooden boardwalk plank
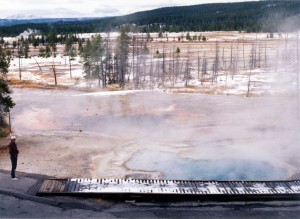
x: 184, y: 188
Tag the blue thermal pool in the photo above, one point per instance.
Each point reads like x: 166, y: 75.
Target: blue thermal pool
x: 174, y: 167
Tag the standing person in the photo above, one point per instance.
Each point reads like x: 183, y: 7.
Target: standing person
x: 13, y: 151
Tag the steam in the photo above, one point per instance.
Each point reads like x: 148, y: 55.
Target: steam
x: 159, y: 129
x: 179, y: 134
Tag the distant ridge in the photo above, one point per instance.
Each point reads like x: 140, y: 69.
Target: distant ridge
x: 21, y: 16
x: 267, y: 15
x: 17, y: 19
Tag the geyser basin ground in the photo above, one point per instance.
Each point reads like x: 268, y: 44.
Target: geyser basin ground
x: 76, y: 134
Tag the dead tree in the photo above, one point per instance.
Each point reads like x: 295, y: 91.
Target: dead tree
x: 38, y: 64
x: 70, y: 51
x: 163, y: 67
x: 20, y: 54
x: 157, y: 76
x: 151, y: 69
x: 54, y: 73
x: 259, y: 55
x: 177, y: 66
x: 231, y: 61
x: 173, y: 67
x: 223, y: 59
x: 244, y: 52
x: 231, y: 55
x: 252, y: 66
x: 236, y: 61
x: 187, y: 74
x: 204, y: 69
x: 198, y: 65
x: 20, y: 69
x: 277, y: 60
x: 266, y: 65
x: 216, y: 64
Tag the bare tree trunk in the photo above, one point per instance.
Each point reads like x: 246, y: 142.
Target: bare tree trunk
x: 173, y: 67
x: 237, y: 58
x: 198, y: 65
x: 255, y: 53
x: 151, y: 68
x: 54, y: 73
x: 266, y: 65
x: 20, y: 70
x: 252, y: 66
x: 277, y: 60
x: 187, y: 69
x: 244, y: 52
x: 157, y: 76
x: 170, y: 71
x: 204, y: 69
x: 216, y: 64
x: 231, y: 55
x: 163, y: 68
x: 259, y: 55
x: 231, y: 60
x: 249, y: 83
x: 223, y: 58
x: 38, y: 64
x: 70, y: 67
x: 226, y: 76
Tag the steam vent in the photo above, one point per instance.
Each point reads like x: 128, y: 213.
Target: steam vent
x: 137, y: 189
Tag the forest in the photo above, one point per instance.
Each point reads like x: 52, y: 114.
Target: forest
x: 259, y: 16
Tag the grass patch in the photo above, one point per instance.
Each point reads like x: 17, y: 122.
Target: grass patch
x: 33, y: 85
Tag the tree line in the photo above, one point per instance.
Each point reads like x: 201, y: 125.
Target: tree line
x: 265, y: 16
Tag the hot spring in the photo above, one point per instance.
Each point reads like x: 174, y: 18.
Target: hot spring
x: 174, y: 167
x: 181, y: 136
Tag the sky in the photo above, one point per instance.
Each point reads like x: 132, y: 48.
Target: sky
x: 87, y: 8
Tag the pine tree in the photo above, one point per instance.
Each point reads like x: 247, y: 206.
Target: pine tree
x: 6, y: 102
x: 122, y: 55
x: 92, y: 54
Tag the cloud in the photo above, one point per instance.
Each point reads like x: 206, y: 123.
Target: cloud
x: 49, y: 13
x: 106, y: 10
x: 79, y: 8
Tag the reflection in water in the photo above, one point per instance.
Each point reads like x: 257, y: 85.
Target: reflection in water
x: 174, y: 167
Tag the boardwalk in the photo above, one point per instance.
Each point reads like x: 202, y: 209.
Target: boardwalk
x: 173, y: 189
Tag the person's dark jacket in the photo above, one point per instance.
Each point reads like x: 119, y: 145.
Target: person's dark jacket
x: 13, y: 150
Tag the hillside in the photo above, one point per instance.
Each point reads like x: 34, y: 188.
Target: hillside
x: 247, y: 16
x: 16, y: 21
